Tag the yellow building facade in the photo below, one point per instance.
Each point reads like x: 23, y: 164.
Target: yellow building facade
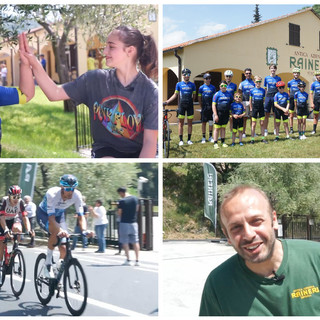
x: 289, y: 41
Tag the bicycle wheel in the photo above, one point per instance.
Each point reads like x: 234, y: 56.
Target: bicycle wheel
x: 166, y: 140
x: 41, y: 283
x: 3, y: 272
x: 75, y: 287
x: 18, y: 272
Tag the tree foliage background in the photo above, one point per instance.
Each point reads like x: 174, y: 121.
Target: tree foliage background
x: 291, y: 187
x: 96, y: 180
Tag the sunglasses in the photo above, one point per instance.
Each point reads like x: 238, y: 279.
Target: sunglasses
x: 223, y: 86
x: 259, y: 81
x: 248, y: 73
x: 16, y: 197
x: 228, y: 76
x: 208, y: 78
x: 68, y: 189
x: 281, y: 87
x: 237, y: 97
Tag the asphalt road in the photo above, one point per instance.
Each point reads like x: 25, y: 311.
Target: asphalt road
x: 185, y: 267
x: 114, y: 290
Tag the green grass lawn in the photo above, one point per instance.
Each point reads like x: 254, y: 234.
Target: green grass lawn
x: 38, y: 129
x: 309, y: 148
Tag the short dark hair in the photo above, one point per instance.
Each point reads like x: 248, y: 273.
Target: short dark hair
x: 247, y: 69
x: 122, y: 189
x: 99, y: 201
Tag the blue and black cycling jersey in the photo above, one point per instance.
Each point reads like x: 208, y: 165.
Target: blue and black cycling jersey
x: 257, y: 95
x: 223, y: 100
x: 206, y: 92
x: 315, y: 89
x: 293, y: 86
x: 301, y: 98
x: 282, y: 99
x: 246, y: 86
x: 185, y: 91
x: 270, y: 85
x: 232, y: 88
x: 237, y: 108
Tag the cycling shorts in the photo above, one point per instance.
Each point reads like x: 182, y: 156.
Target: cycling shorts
x: 280, y: 114
x: 223, y: 118
x: 185, y: 108
x: 258, y: 112
x: 302, y: 111
x: 43, y: 220
x: 269, y: 104
x: 206, y: 113
x: 291, y: 106
x: 237, y: 124
x: 316, y: 102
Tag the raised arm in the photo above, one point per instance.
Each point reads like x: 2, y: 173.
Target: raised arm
x: 26, y: 84
x: 51, y: 90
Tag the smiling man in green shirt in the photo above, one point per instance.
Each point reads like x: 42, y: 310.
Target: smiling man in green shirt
x: 267, y: 277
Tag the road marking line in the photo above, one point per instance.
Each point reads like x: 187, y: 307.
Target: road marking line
x: 108, y: 306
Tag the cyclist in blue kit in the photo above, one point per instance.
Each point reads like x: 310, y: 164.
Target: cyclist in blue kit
x: 231, y: 88
x: 244, y: 88
x: 221, y: 108
x: 301, y: 104
x: 282, y: 104
x: 186, y: 91
x: 257, y: 96
x: 271, y: 89
x: 315, y: 100
x: 237, y: 114
x: 205, y: 95
x: 293, y: 88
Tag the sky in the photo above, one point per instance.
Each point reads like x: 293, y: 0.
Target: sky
x: 187, y: 22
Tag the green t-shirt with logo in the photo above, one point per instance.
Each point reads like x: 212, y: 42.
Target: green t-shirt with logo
x: 233, y: 290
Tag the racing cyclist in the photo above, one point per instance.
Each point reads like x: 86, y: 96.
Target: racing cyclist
x: 51, y: 215
x: 12, y: 212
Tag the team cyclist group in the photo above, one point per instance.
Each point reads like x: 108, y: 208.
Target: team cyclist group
x: 249, y: 101
x: 50, y: 216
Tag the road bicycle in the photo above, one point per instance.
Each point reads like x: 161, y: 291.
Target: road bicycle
x: 74, y: 284
x: 14, y: 265
x: 166, y: 131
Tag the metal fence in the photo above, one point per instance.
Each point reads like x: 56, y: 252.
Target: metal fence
x: 300, y: 227
x: 145, y: 225
x: 83, y: 128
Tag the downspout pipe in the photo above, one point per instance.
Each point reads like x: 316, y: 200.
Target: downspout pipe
x: 179, y: 63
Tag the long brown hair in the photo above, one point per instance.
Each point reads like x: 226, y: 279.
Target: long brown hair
x: 147, y: 53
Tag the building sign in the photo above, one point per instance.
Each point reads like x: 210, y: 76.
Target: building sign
x: 305, y: 61
x: 272, y: 56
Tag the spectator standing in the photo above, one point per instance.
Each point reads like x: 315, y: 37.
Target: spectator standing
x: 43, y: 62
x: 31, y: 209
x: 100, y: 224
x: 4, y: 73
x: 128, y: 211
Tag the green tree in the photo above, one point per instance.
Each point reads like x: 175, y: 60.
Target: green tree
x: 256, y: 15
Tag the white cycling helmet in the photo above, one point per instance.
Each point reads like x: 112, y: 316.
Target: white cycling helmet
x: 228, y: 73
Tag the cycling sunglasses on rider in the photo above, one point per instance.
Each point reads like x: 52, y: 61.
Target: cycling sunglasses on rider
x: 15, y: 197
x: 68, y: 189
